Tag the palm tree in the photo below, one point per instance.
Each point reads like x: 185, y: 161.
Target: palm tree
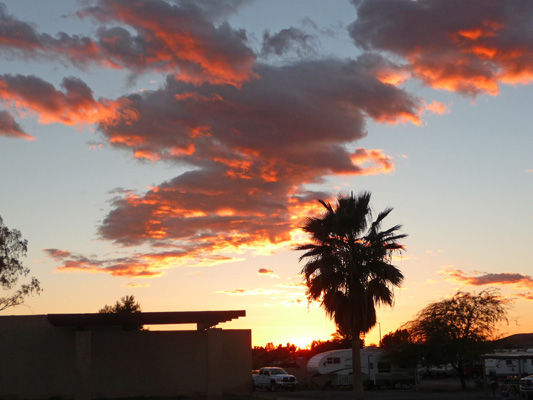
x: 348, y: 268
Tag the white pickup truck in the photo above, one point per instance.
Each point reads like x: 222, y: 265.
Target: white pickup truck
x: 526, y: 386
x: 273, y: 378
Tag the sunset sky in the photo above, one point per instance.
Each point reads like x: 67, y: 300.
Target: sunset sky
x: 170, y: 149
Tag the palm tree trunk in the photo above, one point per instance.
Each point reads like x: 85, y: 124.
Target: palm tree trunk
x: 358, y: 390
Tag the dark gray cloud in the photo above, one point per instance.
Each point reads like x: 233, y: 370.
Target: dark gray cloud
x: 265, y: 271
x: 288, y: 40
x: 9, y: 127
x: 73, y: 105
x: 252, y: 135
x: 179, y: 38
x: 253, y: 149
x: 463, y: 46
x: 502, y: 278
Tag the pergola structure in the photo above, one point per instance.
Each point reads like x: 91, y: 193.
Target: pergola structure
x: 202, y: 319
x: 84, y: 356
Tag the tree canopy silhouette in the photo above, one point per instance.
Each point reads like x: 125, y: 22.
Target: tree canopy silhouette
x: 457, y: 330
x: 399, y: 348
x: 12, y: 249
x: 349, y: 267
x: 126, y: 304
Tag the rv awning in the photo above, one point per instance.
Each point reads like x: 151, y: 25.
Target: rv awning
x: 511, y: 355
x: 203, y: 319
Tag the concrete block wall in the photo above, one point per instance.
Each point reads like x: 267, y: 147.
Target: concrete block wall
x: 40, y: 361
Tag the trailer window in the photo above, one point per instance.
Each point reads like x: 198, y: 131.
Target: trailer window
x: 383, y: 367
x: 333, y: 360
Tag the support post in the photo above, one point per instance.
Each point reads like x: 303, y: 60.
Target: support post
x: 83, y: 365
x: 215, y: 364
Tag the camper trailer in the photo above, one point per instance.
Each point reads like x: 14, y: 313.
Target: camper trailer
x: 376, y: 369
x: 509, y: 363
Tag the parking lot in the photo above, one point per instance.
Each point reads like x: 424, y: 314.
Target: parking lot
x: 439, y: 389
x: 377, y: 395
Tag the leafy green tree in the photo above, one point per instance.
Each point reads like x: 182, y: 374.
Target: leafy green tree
x: 12, y: 249
x: 457, y: 330
x: 349, y: 267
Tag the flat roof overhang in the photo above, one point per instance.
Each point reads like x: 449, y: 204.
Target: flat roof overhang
x: 516, y: 356
x: 202, y: 319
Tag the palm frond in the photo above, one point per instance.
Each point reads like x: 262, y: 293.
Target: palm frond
x: 348, y: 261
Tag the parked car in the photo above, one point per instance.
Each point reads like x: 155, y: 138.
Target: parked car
x: 526, y: 386
x: 273, y: 378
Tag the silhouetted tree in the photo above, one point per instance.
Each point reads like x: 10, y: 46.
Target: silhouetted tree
x: 457, y: 330
x: 394, y: 339
x: 348, y: 267
x: 12, y: 249
x: 283, y: 356
x: 344, y: 339
x: 399, y: 348
x: 126, y: 304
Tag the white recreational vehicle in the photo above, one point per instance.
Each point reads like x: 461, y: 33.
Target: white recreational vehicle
x: 376, y: 369
x: 509, y: 363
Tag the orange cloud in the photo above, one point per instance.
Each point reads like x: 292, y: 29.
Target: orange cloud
x: 141, y: 266
x: 437, y: 108
x: 488, y: 45
x: 10, y: 128
x: 253, y: 292
x: 504, y: 278
x: 382, y: 164
x: 138, y: 285
x: 251, y: 145
x: 184, y: 40
x: 147, y: 155
x: 294, y: 285
x: 392, y: 77
x: 73, y: 106
x: 527, y: 296
x: 251, y: 136
x: 265, y: 271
